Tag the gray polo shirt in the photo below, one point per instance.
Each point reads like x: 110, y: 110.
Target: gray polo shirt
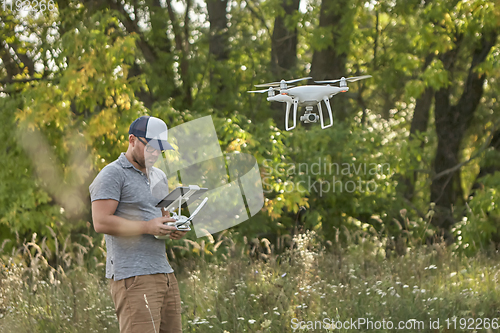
x: 137, y: 196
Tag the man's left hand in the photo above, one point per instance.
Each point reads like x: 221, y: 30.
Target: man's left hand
x: 174, y: 234
x: 177, y: 234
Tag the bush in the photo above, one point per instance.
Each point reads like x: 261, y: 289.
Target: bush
x: 479, y: 228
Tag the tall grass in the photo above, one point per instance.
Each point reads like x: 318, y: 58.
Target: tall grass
x: 61, y: 296
x: 311, y: 285
x: 306, y: 286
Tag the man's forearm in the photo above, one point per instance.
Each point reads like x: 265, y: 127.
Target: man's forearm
x: 119, y: 226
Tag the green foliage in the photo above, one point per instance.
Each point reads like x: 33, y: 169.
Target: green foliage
x: 479, y: 230
x: 350, y: 173
x: 24, y: 204
x: 98, y: 68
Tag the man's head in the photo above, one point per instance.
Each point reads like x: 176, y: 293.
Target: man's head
x: 147, y: 139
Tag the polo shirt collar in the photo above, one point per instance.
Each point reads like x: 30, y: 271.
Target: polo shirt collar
x: 125, y: 163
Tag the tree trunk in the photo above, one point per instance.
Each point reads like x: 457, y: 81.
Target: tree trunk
x: 284, y: 55
x: 418, y: 125
x: 182, y: 46
x: 330, y: 62
x: 218, y: 50
x: 452, y: 121
x: 284, y: 43
x: 219, y: 39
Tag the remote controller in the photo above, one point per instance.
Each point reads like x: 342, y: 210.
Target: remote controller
x: 182, y: 222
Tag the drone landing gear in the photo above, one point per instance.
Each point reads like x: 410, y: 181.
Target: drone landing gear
x: 320, y: 111
x: 308, y: 116
x: 295, y: 107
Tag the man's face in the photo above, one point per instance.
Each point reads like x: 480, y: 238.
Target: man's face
x: 144, y: 154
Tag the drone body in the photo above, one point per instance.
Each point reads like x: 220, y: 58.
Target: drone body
x: 310, y: 95
x: 307, y: 96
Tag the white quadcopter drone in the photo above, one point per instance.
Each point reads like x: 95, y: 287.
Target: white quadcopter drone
x: 307, y: 96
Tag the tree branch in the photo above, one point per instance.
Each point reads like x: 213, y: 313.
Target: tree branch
x: 29, y: 79
x: 8, y: 62
x: 476, y: 155
x: 181, y: 46
x: 186, y: 25
x: 132, y: 27
x: 473, y: 89
x: 23, y: 57
x: 175, y: 27
x: 261, y: 19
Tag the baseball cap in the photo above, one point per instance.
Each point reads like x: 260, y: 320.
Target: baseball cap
x: 153, y: 129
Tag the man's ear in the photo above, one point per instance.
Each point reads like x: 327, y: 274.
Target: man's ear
x: 131, y: 139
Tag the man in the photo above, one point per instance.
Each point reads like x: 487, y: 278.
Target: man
x: 143, y: 286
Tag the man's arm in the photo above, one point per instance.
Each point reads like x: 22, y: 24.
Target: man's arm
x: 107, y: 223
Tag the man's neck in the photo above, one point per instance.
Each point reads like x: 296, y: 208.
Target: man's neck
x: 132, y: 160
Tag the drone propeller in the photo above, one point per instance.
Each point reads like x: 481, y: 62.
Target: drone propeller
x: 279, y: 83
x: 261, y: 91
x: 270, y: 91
x: 350, y: 79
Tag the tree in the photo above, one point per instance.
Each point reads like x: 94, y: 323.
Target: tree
x: 332, y: 43
x: 454, y: 119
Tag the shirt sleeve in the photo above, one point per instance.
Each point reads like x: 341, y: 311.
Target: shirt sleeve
x: 107, y: 185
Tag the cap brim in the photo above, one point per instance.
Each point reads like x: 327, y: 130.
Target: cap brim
x: 160, y: 144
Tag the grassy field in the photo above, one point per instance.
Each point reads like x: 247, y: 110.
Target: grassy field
x: 309, y: 288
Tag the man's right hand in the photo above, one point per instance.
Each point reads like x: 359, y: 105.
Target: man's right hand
x: 157, y: 226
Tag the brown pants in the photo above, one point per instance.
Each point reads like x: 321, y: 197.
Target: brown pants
x: 163, y: 307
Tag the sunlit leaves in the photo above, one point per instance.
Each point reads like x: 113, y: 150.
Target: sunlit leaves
x: 435, y: 75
